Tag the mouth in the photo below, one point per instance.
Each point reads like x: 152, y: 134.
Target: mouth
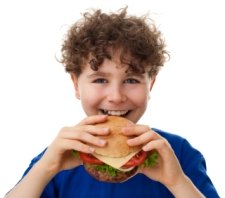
x: 121, y: 113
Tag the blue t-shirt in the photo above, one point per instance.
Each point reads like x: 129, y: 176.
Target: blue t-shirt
x: 78, y: 183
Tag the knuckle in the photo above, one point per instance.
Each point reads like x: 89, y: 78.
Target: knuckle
x: 164, y: 142
x: 147, y: 127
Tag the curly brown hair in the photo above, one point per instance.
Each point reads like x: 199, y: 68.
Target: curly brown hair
x: 97, y: 34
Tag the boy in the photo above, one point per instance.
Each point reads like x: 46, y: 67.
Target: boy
x: 113, y: 60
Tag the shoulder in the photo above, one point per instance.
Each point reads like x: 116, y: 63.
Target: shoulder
x: 192, y: 162
x: 175, y: 140
x: 181, y: 146
x: 168, y: 135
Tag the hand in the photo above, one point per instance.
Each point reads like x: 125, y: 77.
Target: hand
x: 59, y: 156
x: 168, y: 170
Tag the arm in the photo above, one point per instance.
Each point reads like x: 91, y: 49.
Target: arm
x: 33, y: 184
x: 185, y: 189
x: 59, y: 156
x: 168, y: 170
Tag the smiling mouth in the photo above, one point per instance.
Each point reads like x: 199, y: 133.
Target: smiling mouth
x: 115, y: 112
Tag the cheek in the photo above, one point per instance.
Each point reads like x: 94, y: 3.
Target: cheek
x: 139, y: 97
x: 142, y: 101
x: 90, y: 97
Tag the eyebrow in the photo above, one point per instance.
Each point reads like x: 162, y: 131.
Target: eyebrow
x: 97, y: 74
x: 140, y: 75
x: 104, y: 74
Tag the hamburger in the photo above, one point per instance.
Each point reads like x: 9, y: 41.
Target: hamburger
x: 117, y: 161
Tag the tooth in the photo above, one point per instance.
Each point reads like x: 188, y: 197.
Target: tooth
x: 117, y: 113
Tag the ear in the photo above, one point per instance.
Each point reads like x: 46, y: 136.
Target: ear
x: 152, y: 83
x: 75, y: 84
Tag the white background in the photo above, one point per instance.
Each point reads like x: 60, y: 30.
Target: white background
x: 37, y: 97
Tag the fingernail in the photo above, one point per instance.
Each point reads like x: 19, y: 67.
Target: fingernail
x: 91, y: 149
x: 102, y: 142
x: 105, y: 129
x: 145, y: 148
x: 125, y: 130
x: 129, y: 142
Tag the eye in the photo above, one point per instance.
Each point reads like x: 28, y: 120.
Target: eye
x: 100, y: 80
x: 131, y: 81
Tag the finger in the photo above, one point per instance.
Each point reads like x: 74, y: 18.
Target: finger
x: 135, y: 130
x: 77, y: 131
x: 162, y: 146
x: 92, y: 140
x: 83, y: 136
x: 144, y: 138
x: 91, y: 120
x: 77, y: 145
x: 96, y: 130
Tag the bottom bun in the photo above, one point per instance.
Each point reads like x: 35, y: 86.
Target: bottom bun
x: 101, y: 175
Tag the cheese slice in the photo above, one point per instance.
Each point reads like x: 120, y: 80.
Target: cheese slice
x: 116, y: 162
x: 125, y: 169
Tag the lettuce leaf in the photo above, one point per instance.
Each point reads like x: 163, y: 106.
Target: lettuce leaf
x: 151, y: 160
x: 75, y: 153
x: 107, y: 168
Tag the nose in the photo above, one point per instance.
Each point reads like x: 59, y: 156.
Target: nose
x: 116, y: 94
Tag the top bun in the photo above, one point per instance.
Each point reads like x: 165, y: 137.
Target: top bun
x: 116, y: 142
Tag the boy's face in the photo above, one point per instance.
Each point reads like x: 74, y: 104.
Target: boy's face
x: 112, y: 91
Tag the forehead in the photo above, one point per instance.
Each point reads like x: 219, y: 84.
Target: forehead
x: 121, y: 59
x: 108, y: 66
x: 112, y: 69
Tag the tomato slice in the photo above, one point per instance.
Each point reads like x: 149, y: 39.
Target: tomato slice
x: 136, y: 160
x: 89, y: 158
